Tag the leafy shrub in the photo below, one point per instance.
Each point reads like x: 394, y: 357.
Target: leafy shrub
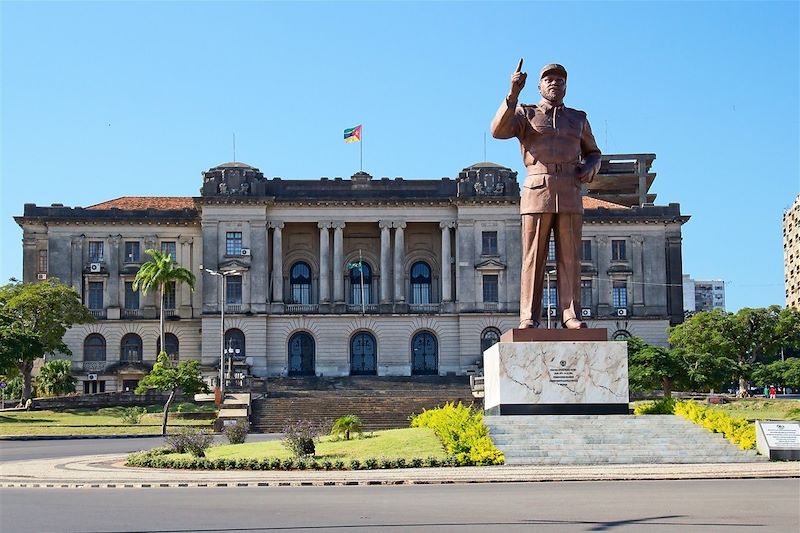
x: 386, y: 463
x: 738, y: 430
x: 132, y: 415
x: 55, y: 378
x: 338, y: 465
x: 355, y: 464
x: 370, y: 464
x: 191, y: 440
x: 462, y: 432
x: 287, y: 464
x: 346, y: 425
x: 327, y: 464
x: 299, y: 437
x: 664, y: 406
x: 237, y: 433
x: 416, y: 462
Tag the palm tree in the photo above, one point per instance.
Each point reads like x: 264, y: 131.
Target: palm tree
x: 159, y: 273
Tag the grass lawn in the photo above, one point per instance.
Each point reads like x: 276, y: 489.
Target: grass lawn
x: 392, y: 444
x: 104, y: 421
x: 762, y: 409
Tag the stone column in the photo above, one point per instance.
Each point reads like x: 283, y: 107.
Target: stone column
x: 603, y: 283
x: 386, y: 245
x: 637, y: 264
x: 445, y: 225
x: 77, y: 263
x: 30, y: 259
x: 399, y: 261
x: 258, y: 266
x: 324, y: 262
x: 277, y: 261
x: 210, y: 260
x: 113, y: 288
x: 338, y: 278
x: 184, y: 296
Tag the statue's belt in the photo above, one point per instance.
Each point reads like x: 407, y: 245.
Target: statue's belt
x: 552, y: 168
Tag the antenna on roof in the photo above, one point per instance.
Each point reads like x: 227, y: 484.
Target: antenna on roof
x: 234, y: 147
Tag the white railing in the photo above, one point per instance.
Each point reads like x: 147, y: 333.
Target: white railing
x: 132, y: 313
x: 232, y: 308
x: 98, y: 313
x: 423, y: 308
x: 358, y: 308
x: 170, y: 312
x: 301, y: 309
x: 490, y: 306
x: 94, y: 366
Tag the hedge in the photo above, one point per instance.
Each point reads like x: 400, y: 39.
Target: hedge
x: 462, y: 432
x: 738, y: 430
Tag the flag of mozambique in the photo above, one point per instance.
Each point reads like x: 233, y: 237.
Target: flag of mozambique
x: 352, y: 135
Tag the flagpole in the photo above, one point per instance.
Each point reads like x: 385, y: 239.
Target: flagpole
x: 361, y: 270
x: 361, y: 151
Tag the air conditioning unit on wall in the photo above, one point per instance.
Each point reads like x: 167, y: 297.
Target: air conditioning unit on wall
x: 41, y: 276
x: 586, y: 313
x: 94, y: 267
x: 92, y: 377
x: 245, y: 251
x: 552, y: 312
x: 622, y: 312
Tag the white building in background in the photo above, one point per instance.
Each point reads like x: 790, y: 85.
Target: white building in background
x: 791, y: 254
x: 703, y: 294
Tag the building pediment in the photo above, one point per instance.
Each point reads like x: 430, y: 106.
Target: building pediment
x: 235, y: 263
x: 490, y: 265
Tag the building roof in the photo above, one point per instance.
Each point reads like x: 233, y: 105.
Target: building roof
x: 594, y: 203
x: 147, y: 202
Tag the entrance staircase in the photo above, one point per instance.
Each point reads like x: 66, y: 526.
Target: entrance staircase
x: 610, y: 439
x: 380, y: 402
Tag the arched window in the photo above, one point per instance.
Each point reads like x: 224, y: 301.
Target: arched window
x: 301, y: 354
x: 94, y: 348
x: 131, y: 348
x: 363, y: 354
x: 172, y: 345
x: 420, y: 283
x: 234, y: 343
x: 360, y: 273
x: 621, y: 335
x: 489, y: 338
x: 424, y: 354
x: 300, y: 283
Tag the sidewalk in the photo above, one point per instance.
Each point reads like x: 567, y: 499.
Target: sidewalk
x: 108, y: 471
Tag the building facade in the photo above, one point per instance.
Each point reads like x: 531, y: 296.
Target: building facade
x: 332, y: 277
x: 703, y: 294
x: 791, y: 254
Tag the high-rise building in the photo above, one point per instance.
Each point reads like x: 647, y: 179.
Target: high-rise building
x: 703, y: 294
x: 791, y: 254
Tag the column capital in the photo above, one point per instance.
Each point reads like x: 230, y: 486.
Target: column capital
x: 338, y: 224
x: 115, y: 239
x: 324, y: 224
x: 186, y: 240
x: 399, y: 224
x: 602, y: 239
x: 637, y: 239
x: 384, y: 224
x: 447, y: 224
x: 78, y: 239
x: 30, y: 241
x: 276, y: 224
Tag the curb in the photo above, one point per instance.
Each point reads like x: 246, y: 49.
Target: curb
x: 76, y: 437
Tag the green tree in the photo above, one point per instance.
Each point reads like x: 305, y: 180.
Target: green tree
x: 34, y: 319
x: 652, y: 367
x: 346, y: 425
x: 158, y: 274
x: 168, y: 378
x: 747, y: 337
x: 55, y: 378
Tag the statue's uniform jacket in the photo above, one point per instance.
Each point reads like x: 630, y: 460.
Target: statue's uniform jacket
x: 555, y: 142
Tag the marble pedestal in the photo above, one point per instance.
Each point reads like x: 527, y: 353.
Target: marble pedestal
x: 556, y: 378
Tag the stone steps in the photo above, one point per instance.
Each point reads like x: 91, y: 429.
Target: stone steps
x: 610, y: 439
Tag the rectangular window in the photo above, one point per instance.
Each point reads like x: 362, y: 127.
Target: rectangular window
x: 170, y: 296
x: 95, y: 296
x: 233, y: 290
x: 169, y: 248
x: 586, y: 250
x: 131, y: 252
x: 95, y: 251
x: 489, y: 243
x: 618, y: 250
x: 551, y: 249
x: 43, y: 261
x: 552, y: 292
x: 490, y: 292
x: 233, y: 243
x: 131, y: 296
x: 586, y: 293
x: 619, y: 294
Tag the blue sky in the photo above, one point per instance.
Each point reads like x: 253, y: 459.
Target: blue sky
x: 101, y: 100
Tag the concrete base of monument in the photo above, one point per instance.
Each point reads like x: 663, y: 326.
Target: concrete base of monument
x: 556, y: 377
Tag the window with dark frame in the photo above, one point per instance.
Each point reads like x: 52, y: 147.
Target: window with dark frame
x: 490, y: 291
x: 552, y: 291
x: 420, y: 283
x: 551, y: 249
x: 131, y: 296
x: 170, y: 296
x: 489, y: 243
x: 355, y: 283
x: 95, y: 295
x: 586, y: 293
x: 43, y: 261
x: 95, y: 251
x: 619, y: 294
x: 169, y: 248
x: 489, y: 338
x: 233, y: 290
x: 300, y: 283
x: 586, y: 250
x: 618, y: 250
x: 131, y: 251
x: 233, y: 243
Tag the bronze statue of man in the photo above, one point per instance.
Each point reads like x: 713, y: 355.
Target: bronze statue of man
x: 560, y: 153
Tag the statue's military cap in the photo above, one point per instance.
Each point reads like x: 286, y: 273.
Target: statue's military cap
x: 553, y: 67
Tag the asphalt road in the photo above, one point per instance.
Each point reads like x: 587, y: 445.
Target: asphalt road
x: 18, y: 450
x: 768, y: 505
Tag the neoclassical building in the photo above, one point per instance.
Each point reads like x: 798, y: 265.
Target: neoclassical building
x: 334, y: 277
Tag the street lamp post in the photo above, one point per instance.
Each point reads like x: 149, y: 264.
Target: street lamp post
x: 222, y: 275
x: 547, y: 273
